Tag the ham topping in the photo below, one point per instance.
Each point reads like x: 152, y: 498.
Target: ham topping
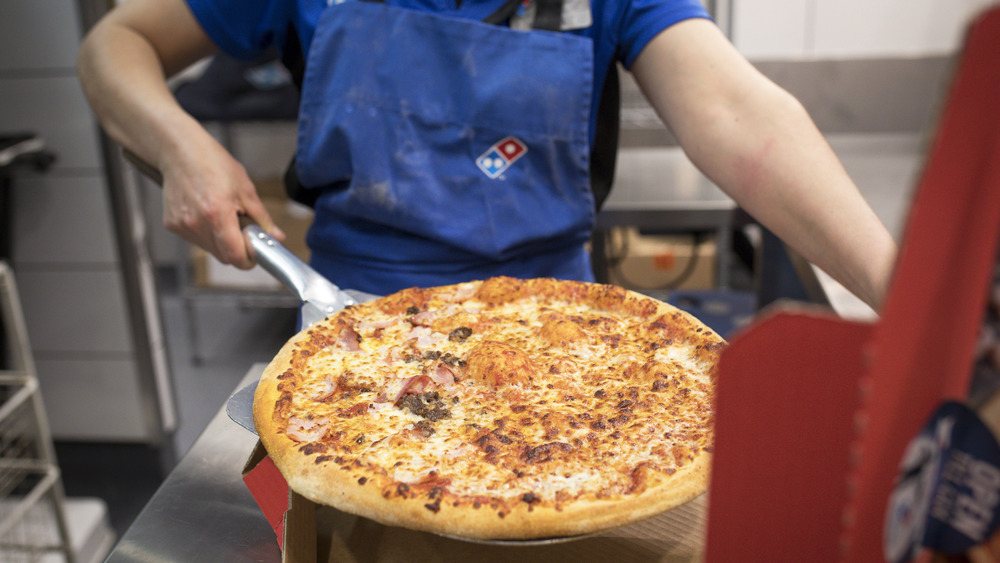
x: 424, y: 337
x: 302, y: 430
x: 442, y: 374
x: 423, y: 318
x: 329, y: 388
x: 415, y: 384
x: 366, y: 326
x: 350, y: 339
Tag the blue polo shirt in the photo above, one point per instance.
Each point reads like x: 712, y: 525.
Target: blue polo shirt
x: 621, y: 28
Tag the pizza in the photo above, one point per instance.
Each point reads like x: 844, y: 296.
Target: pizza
x: 500, y: 409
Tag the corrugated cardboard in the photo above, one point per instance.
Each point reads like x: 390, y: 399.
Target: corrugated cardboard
x: 813, y: 412
x: 268, y: 488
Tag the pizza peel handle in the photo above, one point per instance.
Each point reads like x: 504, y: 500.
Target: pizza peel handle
x: 319, y: 296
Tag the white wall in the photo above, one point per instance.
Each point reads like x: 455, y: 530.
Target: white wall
x: 825, y: 29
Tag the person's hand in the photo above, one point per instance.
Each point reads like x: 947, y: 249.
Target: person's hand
x: 205, y: 190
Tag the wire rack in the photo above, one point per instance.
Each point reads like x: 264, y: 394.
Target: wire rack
x: 32, y: 514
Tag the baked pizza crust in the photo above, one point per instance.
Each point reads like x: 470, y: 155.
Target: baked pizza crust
x: 351, y: 489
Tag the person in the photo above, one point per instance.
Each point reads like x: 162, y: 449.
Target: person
x: 451, y: 140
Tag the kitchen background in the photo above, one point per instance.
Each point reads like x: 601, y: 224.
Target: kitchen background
x: 137, y: 340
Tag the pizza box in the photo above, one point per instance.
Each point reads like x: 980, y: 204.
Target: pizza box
x: 815, y: 414
x: 849, y: 441
x: 306, y: 531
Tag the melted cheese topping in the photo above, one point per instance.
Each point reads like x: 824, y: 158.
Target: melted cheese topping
x: 563, y: 400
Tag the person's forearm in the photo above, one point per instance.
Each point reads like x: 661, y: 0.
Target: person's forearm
x: 124, y: 81
x: 780, y: 169
x: 758, y: 144
x: 123, y: 65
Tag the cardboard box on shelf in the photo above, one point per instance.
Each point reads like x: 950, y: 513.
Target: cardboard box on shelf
x: 293, y: 218
x: 661, y: 261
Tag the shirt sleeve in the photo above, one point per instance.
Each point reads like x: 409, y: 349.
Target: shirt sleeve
x: 642, y: 20
x: 244, y: 28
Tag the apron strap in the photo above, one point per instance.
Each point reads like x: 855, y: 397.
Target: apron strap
x: 548, y: 15
x: 604, y: 154
x: 503, y: 13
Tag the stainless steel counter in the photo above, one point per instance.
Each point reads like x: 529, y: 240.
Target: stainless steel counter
x: 203, y: 511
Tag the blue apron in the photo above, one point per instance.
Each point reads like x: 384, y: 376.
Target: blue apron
x: 446, y: 149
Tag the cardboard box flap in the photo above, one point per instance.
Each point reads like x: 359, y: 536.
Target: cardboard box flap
x: 309, y: 532
x: 268, y: 487
x: 675, y: 536
x: 299, y: 535
x: 786, y: 390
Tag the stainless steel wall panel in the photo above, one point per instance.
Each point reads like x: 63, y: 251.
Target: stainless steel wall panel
x: 61, y: 220
x: 853, y: 96
x: 55, y: 109
x: 31, y: 44
x: 95, y: 399
x: 75, y: 244
x: 899, y: 95
x: 82, y: 312
x: 886, y: 168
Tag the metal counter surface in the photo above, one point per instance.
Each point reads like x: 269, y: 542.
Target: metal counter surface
x: 659, y: 188
x: 203, y: 511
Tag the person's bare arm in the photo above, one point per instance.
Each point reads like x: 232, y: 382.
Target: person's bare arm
x: 757, y: 143
x: 123, y: 64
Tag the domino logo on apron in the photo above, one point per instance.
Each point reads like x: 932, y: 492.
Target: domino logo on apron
x: 500, y: 156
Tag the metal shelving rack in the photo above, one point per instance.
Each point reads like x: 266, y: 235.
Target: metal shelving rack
x: 33, y: 524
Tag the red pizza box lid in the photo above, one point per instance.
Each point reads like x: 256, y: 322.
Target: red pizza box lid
x: 292, y: 516
x: 922, y: 352
x: 814, y: 413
